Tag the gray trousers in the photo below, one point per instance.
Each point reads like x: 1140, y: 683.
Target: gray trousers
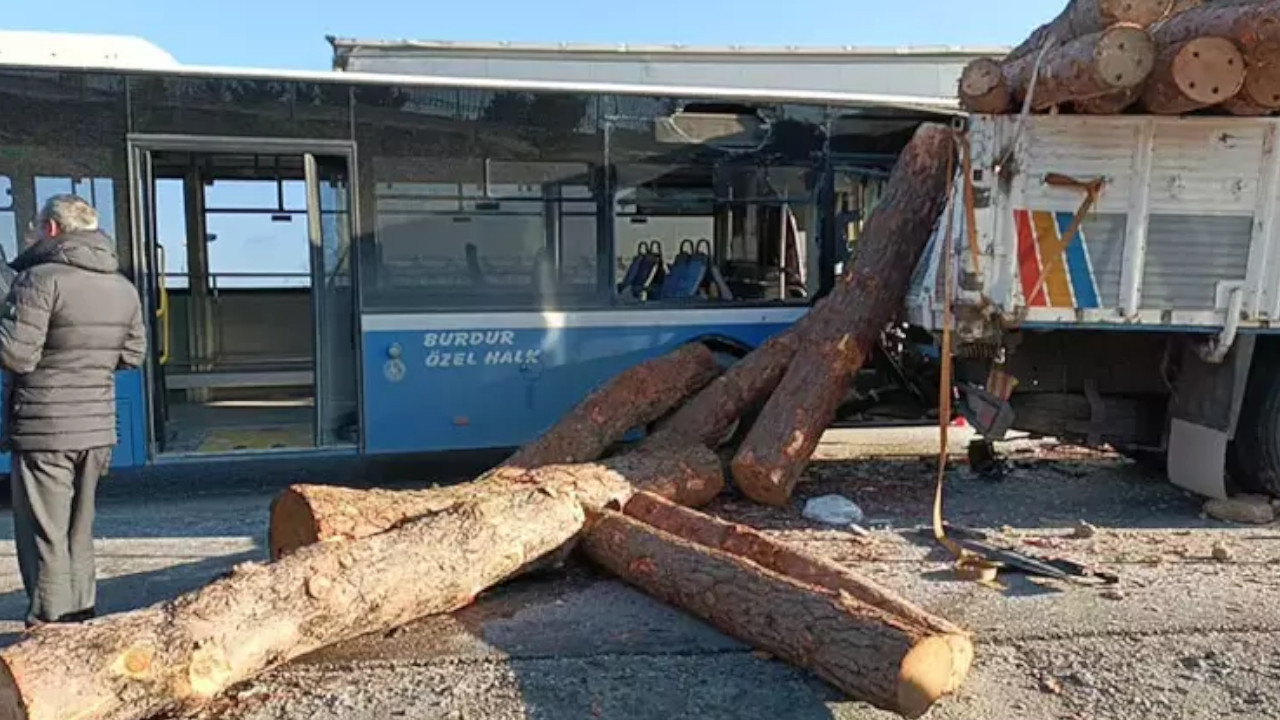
x: 53, y: 503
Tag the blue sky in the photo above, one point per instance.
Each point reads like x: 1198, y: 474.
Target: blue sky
x: 290, y: 33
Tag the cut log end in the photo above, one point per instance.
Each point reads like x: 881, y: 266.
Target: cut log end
x: 933, y: 669
x: 1124, y: 56
x: 293, y: 523
x: 983, y: 88
x: 1262, y: 85
x: 1209, y: 70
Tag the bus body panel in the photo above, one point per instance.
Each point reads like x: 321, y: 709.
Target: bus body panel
x: 436, y: 382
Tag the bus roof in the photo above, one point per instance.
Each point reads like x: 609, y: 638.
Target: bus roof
x: 60, y: 51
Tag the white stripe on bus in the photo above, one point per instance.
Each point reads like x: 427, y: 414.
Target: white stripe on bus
x: 538, y: 320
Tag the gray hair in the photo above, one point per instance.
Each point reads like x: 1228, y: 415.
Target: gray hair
x: 71, y: 213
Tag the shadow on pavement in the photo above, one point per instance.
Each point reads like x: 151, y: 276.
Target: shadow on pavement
x: 138, y: 590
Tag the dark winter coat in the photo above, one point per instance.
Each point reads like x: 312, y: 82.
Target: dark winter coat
x: 70, y: 320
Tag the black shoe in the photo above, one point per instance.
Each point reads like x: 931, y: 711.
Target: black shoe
x: 79, y: 616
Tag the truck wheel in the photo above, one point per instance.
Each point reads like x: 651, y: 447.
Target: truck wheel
x: 1254, y: 457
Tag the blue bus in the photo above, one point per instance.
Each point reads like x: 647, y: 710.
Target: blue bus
x: 350, y: 263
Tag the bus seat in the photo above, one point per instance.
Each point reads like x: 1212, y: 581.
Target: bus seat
x: 688, y: 272
x: 646, y: 270
x: 631, y: 278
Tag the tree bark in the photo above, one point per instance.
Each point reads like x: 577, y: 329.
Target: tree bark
x: 188, y: 650
x: 868, y: 653
x: 1194, y: 74
x: 1243, y: 107
x: 983, y: 88
x: 306, y: 514
x: 1254, y: 27
x: 1109, y: 104
x: 632, y: 399
x: 842, y: 328
x: 1102, y: 63
x: 1086, y: 17
x: 708, y: 417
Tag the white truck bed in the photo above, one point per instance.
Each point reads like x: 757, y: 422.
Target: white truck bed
x: 1184, y: 229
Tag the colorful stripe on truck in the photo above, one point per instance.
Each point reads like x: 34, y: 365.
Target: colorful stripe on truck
x: 1068, y: 280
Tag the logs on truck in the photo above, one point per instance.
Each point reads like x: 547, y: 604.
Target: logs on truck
x: 1103, y: 57
x: 348, y: 562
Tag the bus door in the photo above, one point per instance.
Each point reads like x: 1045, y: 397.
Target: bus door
x: 248, y: 278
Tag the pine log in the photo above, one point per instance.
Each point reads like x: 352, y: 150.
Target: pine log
x: 866, y: 652
x: 841, y: 330
x: 1194, y: 74
x: 753, y: 545
x: 1243, y: 107
x: 186, y: 651
x: 1086, y: 17
x: 709, y: 416
x: 1102, y: 63
x: 632, y: 399
x: 1254, y: 27
x: 306, y: 514
x: 983, y: 88
x: 1110, y: 104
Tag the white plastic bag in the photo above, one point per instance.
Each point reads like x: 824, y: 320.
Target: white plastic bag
x: 833, y: 510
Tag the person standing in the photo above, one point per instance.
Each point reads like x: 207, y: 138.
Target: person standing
x: 69, y: 322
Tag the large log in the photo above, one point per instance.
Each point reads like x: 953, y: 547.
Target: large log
x: 749, y: 543
x: 1109, y: 104
x: 1194, y: 74
x: 842, y: 328
x: 1254, y: 27
x: 869, y: 653
x: 709, y: 416
x: 632, y: 399
x: 306, y: 514
x: 983, y: 88
x: 188, y: 650
x: 1115, y: 59
x: 1086, y: 17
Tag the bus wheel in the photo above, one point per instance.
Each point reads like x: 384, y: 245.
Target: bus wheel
x: 1254, y: 457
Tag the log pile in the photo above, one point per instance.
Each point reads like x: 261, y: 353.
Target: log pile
x: 348, y: 562
x: 1162, y: 57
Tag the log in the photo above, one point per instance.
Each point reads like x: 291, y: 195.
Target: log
x: 1109, y: 104
x: 983, y: 89
x: 842, y: 328
x: 711, y: 414
x: 749, y: 543
x: 186, y: 651
x: 1117, y: 58
x: 1244, y: 107
x: 632, y: 399
x: 306, y: 514
x: 866, y: 652
x: 1087, y: 17
x: 1254, y: 27
x: 1194, y: 74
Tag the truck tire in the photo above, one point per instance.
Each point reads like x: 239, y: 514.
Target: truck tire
x: 1254, y: 456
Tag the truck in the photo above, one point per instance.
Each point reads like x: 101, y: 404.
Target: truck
x: 1115, y: 280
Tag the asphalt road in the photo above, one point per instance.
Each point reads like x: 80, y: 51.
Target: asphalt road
x: 1182, y: 635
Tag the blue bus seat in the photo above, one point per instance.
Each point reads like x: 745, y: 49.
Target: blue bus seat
x: 688, y: 272
x: 646, y: 270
